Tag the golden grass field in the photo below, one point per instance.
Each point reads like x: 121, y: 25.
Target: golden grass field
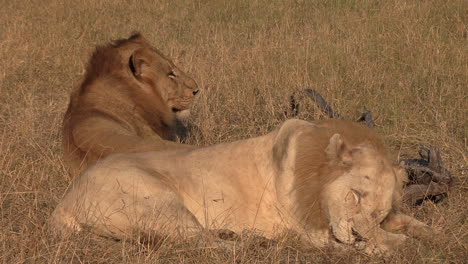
x: 406, y: 61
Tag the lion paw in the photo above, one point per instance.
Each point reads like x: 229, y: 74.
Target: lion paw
x: 382, y: 245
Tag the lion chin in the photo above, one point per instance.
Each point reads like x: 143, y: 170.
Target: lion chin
x: 330, y: 181
x: 124, y: 103
x: 183, y: 115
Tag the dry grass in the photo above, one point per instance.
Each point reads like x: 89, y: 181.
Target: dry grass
x: 407, y: 61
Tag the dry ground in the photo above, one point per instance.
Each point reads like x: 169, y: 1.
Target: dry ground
x: 407, y: 61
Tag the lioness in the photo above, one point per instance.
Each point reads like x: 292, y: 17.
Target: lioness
x: 327, y: 180
x: 127, y: 102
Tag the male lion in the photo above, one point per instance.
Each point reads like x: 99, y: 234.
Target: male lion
x: 327, y: 180
x: 127, y: 102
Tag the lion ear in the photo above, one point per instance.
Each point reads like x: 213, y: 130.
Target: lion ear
x: 401, y: 174
x: 137, y: 36
x: 136, y: 62
x: 337, y: 151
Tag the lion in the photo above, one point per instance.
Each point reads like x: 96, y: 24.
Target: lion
x: 330, y: 181
x: 128, y: 101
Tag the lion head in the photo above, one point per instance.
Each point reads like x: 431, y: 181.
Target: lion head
x: 157, y: 74
x: 347, y: 168
x: 128, y: 101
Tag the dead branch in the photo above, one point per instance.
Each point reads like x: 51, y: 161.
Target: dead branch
x: 367, y: 117
x: 414, y: 194
x: 428, y: 168
x: 317, y: 98
x: 324, y: 106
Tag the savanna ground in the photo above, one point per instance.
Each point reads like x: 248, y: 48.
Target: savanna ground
x: 407, y: 61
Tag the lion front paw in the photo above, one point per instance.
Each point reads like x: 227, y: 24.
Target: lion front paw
x: 382, y: 245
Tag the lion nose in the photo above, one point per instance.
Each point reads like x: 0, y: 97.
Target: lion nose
x: 195, y: 92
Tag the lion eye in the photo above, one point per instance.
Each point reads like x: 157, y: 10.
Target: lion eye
x: 358, y: 195
x: 171, y: 75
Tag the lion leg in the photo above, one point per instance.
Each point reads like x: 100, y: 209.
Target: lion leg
x: 376, y: 239
x: 400, y: 223
x: 161, y: 215
x: 381, y: 242
x: 172, y: 220
x: 156, y: 216
x: 63, y: 223
x: 169, y: 217
x: 120, y: 203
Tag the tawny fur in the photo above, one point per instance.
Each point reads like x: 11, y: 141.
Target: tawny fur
x: 126, y: 103
x: 310, y: 177
x: 329, y: 181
